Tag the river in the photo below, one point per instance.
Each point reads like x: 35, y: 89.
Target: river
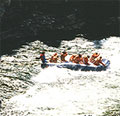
x: 65, y: 92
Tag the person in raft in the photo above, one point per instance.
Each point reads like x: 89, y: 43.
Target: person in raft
x: 86, y: 59
x: 98, y: 61
x: 54, y: 58
x: 71, y: 59
x: 43, y: 59
x: 63, y: 55
x: 93, y: 57
x: 78, y: 59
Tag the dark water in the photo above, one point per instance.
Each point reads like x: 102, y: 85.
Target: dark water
x: 51, y: 22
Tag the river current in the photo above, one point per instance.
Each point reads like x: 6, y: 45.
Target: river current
x: 65, y: 92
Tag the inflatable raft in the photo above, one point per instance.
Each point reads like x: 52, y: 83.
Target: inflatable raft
x: 82, y: 67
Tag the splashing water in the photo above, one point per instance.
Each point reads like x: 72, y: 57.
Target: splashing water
x: 64, y: 92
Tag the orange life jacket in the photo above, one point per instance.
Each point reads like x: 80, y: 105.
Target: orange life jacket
x: 72, y: 58
x: 63, y: 57
x: 78, y: 59
x: 85, y: 60
x: 54, y: 58
x: 93, y: 57
x: 98, y: 62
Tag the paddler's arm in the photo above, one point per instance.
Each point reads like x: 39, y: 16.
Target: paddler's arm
x: 102, y: 64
